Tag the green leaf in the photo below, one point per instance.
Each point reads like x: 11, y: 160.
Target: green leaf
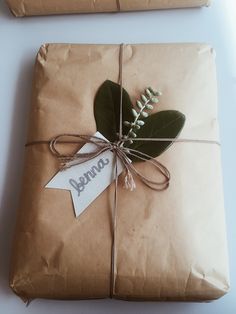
x: 163, y: 124
x: 107, y: 110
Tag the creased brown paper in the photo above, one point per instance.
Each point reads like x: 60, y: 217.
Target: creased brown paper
x: 46, y: 7
x: 170, y: 245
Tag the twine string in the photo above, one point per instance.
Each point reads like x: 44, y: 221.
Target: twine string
x: 118, y: 5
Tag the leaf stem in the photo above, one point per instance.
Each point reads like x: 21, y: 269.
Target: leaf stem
x: 145, y: 102
x: 138, y: 117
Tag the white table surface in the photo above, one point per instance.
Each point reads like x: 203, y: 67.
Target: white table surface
x: 19, y: 41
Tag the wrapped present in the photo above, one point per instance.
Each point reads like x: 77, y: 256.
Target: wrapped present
x: 169, y: 244
x: 46, y: 7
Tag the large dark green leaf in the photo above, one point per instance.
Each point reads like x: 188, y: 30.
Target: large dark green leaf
x: 107, y: 110
x: 163, y: 124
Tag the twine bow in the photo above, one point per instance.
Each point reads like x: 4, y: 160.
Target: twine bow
x: 120, y: 151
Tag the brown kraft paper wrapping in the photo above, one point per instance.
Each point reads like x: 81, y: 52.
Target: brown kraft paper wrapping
x: 170, y: 245
x: 46, y: 7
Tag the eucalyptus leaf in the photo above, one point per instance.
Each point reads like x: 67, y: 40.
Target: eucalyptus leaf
x: 107, y: 110
x: 163, y: 124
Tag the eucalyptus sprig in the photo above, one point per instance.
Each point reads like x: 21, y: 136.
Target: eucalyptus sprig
x: 146, y: 102
x: 138, y: 122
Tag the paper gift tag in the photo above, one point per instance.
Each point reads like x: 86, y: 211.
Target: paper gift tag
x: 89, y: 179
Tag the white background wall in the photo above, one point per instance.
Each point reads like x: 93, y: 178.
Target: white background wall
x: 19, y: 42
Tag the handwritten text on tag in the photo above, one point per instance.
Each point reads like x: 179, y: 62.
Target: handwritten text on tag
x: 87, y: 180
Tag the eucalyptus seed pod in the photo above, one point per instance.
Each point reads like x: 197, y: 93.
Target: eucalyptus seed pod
x: 144, y: 114
x: 144, y: 98
x: 127, y: 123
x: 135, y: 114
x: 149, y: 107
x: 151, y: 90
x: 133, y: 134
x: 148, y: 92
x: 140, y: 122
x: 139, y: 104
x: 155, y: 100
x: 154, y: 92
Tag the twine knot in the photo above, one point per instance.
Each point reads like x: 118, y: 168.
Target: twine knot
x: 120, y: 151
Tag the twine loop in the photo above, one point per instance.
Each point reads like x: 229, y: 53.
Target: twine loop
x: 120, y: 151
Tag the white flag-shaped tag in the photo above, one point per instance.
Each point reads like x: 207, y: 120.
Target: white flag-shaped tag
x: 89, y: 179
